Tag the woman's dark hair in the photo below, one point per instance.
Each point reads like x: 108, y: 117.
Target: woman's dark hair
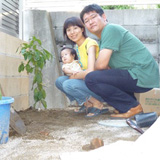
x: 89, y: 8
x: 72, y: 51
x: 73, y: 21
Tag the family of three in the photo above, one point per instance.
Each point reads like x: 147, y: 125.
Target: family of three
x: 110, y: 72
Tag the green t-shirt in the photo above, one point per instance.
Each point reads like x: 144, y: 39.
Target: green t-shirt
x: 130, y: 54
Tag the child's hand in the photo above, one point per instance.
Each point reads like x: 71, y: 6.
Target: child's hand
x: 75, y: 72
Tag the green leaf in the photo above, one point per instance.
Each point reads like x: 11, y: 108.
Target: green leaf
x: 39, y: 42
x: 31, y: 44
x: 43, y: 93
x: 34, y: 81
x: 21, y: 67
x: 30, y: 57
x: 36, y: 95
x: 23, y: 51
x: 35, y: 56
x: 40, y: 95
x: 48, y: 54
x: 40, y: 63
x: 34, y: 47
x: 29, y: 68
x: 38, y: 78
x: 34, y: 105
x: 25, y: 44
x: 44, y: 103
x: 25, y: 56
x: 33, y: 38
x: 39, y: 86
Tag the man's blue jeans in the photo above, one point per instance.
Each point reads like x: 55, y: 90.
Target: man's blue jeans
x: 75, y: 89
x: 116, y: 87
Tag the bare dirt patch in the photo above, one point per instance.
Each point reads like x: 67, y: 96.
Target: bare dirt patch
x: 52, y: 132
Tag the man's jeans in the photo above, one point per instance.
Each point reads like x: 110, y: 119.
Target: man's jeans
x: 75, y: 89
x: 116, y: 87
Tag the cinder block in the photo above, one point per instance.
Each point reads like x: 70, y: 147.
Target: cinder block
x: 12, y: 66
x: 38, y: 24
x: 115, y: 16
x: 59, y: 35
x: 147, y: 34
x: 2, y: 42
x: 21, y: 103
x: 153, y: 48
x: 14, y: 86
x: 3, y: 85
x: 141, y: 17
x: 58, y: 18
x: 2, y: 64
x: 24, y: 85
x: 12, y: 43
x: 9, y: 66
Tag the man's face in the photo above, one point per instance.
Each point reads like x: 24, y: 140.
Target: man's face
x: 94, y: 22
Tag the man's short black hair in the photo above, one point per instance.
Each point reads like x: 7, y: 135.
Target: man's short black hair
x: 89, y: 8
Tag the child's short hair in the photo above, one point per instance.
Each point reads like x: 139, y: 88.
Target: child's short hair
x: 73, y: 52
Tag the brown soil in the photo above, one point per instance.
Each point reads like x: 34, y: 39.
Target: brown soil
x: 52, y: 132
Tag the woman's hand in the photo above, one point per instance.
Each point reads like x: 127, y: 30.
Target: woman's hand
x: 74, y: 75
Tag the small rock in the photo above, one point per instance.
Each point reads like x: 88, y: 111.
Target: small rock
x: 44, y: 133
x: 95, y: 143
x: 86, y: 147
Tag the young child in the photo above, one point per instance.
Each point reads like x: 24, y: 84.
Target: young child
x: 71, y: 66
x: 70, y: 63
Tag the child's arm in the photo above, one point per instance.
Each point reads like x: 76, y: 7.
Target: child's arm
x: 67, y: 71
x: 91, y: 61
x: 71, y: 69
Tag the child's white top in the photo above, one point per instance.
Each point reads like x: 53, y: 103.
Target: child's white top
x: 74, y: 66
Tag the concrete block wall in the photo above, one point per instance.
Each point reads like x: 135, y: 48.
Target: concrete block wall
x: 14, y: 84
x: 58, y: 19
x: 38, y: 23
x: 142, y: 23
x: 145, y: 24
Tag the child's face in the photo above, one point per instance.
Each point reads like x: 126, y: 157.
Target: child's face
x: 66, y: 56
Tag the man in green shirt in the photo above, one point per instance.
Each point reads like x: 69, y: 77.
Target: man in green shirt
x: 124, y: 65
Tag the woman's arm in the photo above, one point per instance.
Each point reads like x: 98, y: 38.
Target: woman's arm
x: 91, y: 63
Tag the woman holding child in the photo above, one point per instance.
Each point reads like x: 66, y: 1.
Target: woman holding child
x: 74, y: 86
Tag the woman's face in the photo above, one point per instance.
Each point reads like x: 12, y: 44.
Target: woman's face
x: 75, y: 33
